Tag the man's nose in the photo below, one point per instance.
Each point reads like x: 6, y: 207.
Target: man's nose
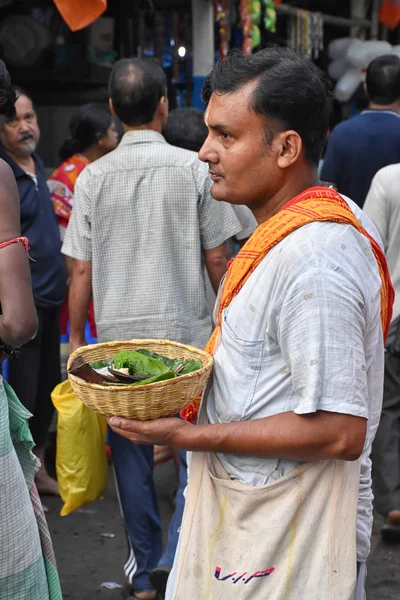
x: 207, y: 152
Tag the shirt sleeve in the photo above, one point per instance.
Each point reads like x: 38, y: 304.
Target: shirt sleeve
x: 218, y: 221
x: 78, y: 237
x: 377, y: 206
x: 321, y: 334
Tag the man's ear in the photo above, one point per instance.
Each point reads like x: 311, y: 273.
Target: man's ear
x: 112, y: 109
x: 289, y: 146
x: 163, y: 108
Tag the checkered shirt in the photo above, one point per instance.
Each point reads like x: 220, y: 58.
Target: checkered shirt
x: 142, y: 215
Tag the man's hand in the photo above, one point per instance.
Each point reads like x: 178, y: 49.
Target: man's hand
x: 161, y: 432
x: 76, y: 343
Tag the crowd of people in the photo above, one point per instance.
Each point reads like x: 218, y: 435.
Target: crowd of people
x: 135, y: 236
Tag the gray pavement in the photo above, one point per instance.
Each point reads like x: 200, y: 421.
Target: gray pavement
x: 87, y: 555
x: 87, y: 558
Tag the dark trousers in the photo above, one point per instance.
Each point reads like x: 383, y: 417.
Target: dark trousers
x: 36, y: 371
x: 386, y: 447
x: 133, y: 465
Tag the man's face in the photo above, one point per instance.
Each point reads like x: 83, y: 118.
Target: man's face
x: 243, y: 166
x: 20, y: 136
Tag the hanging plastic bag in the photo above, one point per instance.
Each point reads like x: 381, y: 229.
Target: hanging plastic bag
x: 81, y: 461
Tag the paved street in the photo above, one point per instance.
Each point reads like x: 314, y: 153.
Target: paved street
x: 87, y: 557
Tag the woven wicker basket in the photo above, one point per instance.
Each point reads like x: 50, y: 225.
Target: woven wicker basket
x: 144, y: 402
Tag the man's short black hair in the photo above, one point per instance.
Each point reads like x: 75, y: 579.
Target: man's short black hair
x: 383, y: 79
x: 291, y: 92
x: 136, y: 86
x: 185, y: 128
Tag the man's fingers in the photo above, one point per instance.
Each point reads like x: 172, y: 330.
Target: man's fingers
x: 120, y: 423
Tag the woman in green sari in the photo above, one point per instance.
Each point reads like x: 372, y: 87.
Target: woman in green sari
x: 27, y: 565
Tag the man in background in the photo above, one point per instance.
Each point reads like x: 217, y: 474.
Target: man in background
x: 359, y: 147
x: 383, y: 207
x: 36, y: 371
x: 185, y: 128
x: 142, y: 227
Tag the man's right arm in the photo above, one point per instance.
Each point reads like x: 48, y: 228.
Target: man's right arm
x: 78, y: 246
x: 80, y: 293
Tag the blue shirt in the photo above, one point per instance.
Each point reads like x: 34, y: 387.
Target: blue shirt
x: 39, y: 225
x: 358, y: 148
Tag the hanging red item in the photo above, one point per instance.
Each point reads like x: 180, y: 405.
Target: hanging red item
x: 80, y: 13
x: 389, y: 13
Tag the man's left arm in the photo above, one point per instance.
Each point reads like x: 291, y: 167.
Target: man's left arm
x: 317, y: 436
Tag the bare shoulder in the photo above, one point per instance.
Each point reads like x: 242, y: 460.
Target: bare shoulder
x: 7, y: 179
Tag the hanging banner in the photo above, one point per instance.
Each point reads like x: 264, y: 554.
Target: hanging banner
x: 79, y: 14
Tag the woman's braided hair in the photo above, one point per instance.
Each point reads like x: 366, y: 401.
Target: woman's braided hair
x: 7, y: 93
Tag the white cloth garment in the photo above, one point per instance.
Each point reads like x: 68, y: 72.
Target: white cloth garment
x: 383, y: 208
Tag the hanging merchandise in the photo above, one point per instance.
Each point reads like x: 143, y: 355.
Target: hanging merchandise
x: 250, y: 13
x: 247, y: 23
x: 303, y: 38
x: 222, y: 17
x: 269, y: 15
x: 306, y: 33
x: 316, y: 34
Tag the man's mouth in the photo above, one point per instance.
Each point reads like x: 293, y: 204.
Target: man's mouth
x: 25, y: 137
x: 215, y: 176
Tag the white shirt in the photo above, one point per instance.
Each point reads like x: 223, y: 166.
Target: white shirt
x: 304, y: 334
x: 383, y: 208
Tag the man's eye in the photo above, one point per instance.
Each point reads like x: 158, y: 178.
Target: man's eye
x: 225, y: 135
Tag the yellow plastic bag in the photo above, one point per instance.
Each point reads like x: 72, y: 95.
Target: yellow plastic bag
x: 81, y: 460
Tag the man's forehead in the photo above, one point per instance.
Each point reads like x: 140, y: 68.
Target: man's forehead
x: 229, y: 106
x: 23, y: 104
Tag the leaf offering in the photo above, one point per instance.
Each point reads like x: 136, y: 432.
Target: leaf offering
x: 139, y: 364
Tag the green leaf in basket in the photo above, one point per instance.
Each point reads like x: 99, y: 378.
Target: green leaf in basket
x: 171, y: 363
x: 101, y: 364
x: 189, y: 364
x: 162, y: 377
x: 138, y: 364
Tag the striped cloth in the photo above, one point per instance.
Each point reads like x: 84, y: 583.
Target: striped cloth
x: 27, y: 563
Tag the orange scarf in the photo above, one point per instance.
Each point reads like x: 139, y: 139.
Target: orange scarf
x: 314, y: 204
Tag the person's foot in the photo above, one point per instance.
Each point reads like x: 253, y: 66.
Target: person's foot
x: 128, y: 593
x: 46, y: 485
x: 159, y: 577
x: 391, y: 530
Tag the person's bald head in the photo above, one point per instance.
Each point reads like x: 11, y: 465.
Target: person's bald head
x: 136, y: 88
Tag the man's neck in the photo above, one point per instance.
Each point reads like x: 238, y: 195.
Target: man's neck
x: 152, y: 126
x: 395, y: 107
x: 25, y: 162
x: 288, y: 191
